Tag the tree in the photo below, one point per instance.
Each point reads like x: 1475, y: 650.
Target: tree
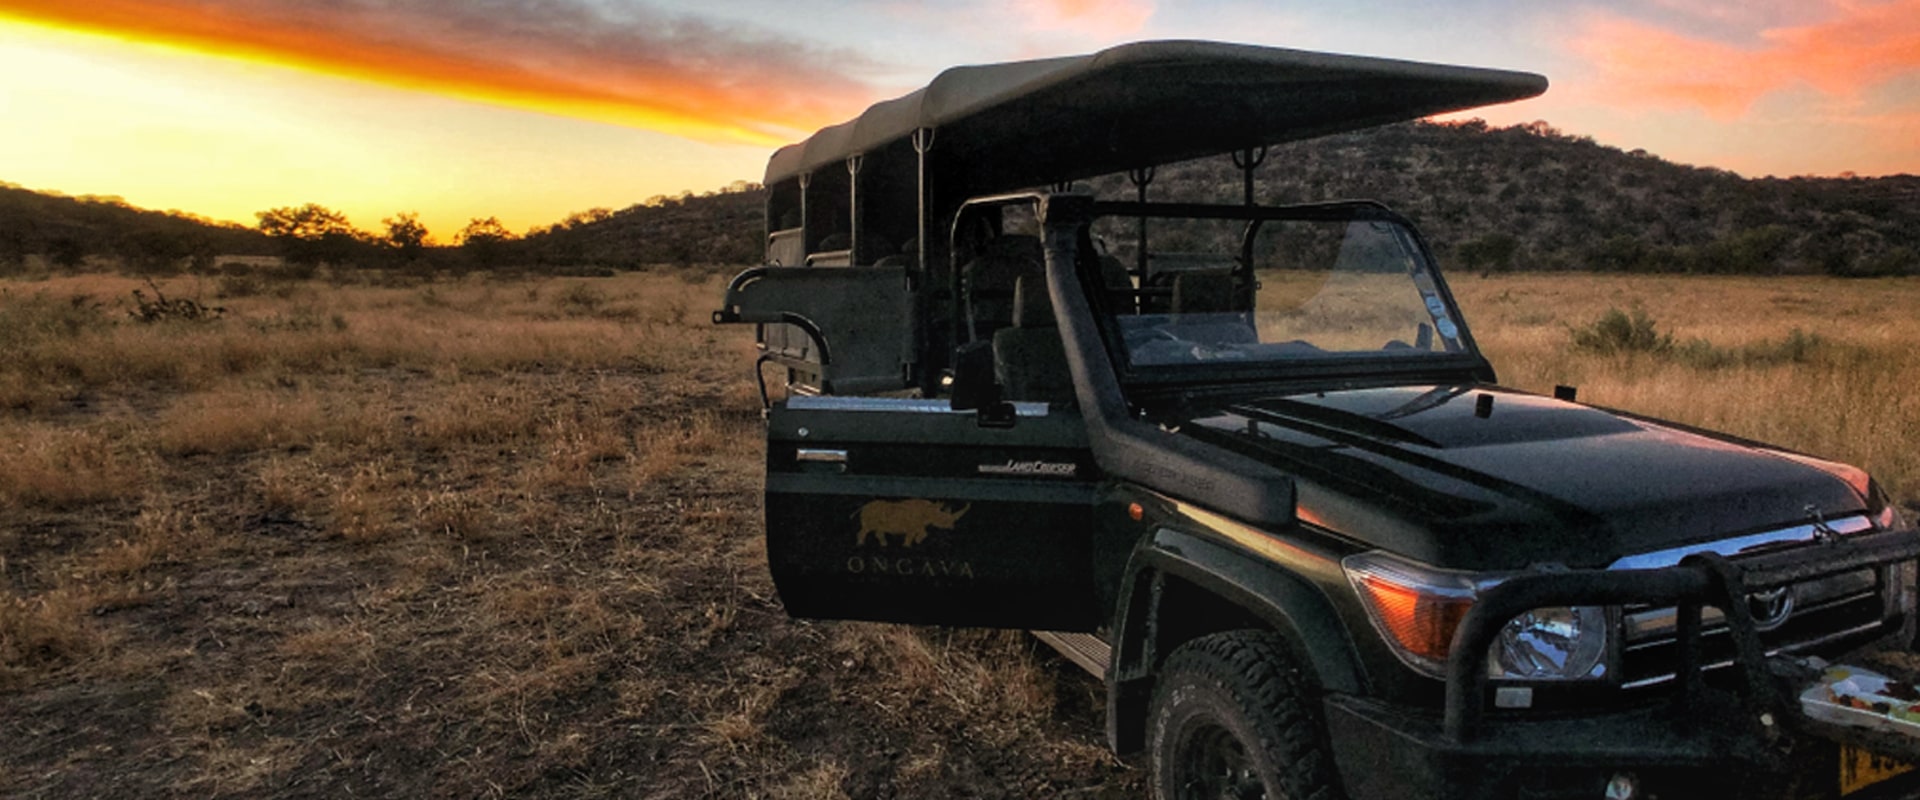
x: 310, y: 234
x: 1490, y: 253
x: 67, y: 252
x: 161, y: 251
x: 584, y: 218
x: 406, y: 235
x: 484, y: 241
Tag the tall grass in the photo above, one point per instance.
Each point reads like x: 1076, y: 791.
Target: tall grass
x: 1821, y: 365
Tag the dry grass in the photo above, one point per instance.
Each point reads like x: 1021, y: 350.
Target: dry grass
x: 501, y: 539
x: 62, y: 467
x: 46, y: 630
x: 1847, y: 396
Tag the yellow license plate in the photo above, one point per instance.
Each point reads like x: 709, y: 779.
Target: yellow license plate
x: 1860, y: 769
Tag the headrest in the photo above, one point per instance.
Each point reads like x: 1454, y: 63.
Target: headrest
x: 1203, y: 291
x: 1114, y: 274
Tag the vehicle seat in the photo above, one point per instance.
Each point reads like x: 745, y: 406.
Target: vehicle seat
x: 1119, y: 285
x: 908, y: 256
x: 1029, y: 361
x: 1204, y: 308
x: 989, y: 280
x: 1203, y: 292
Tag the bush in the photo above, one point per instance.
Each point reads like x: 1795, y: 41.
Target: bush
x: 1798, y: 347
x: 580, y: 300
x: 237, y: 286
x: 162, y: 308
x: 1622, y: 332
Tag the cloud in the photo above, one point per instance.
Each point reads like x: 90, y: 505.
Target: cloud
x: 1101, y: 19
x: 634, y: 66
x: 1860, y: 45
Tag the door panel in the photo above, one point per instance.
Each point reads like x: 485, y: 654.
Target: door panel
x: 862, y: 332
x: 904, y: 511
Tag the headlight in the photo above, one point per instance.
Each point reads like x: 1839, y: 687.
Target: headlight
x: 1558, y: 643
x: 1417, y: 608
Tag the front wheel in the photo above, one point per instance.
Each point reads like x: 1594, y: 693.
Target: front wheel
x: 1230, y: 721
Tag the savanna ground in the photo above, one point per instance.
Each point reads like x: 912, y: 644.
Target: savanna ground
x: 490, y: 537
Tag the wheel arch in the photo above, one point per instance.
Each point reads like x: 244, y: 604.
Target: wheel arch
x: 1181, y: 586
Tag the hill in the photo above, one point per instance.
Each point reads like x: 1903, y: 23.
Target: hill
x: 69, y: 230
x: 1526, y: 197
x: 1529, y: 197
x: 1520, y: 198
x: 724, y: 227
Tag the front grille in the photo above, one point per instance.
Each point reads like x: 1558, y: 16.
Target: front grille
x: 1829, y: 615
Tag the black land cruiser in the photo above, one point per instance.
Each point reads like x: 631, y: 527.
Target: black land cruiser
x: 1247, y: 465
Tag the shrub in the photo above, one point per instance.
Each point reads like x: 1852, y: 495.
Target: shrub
x: 1797, y: 347
x: 1622, y: 332
x: 171, y: 309
x: 580, y: 300
x: 237, y: 286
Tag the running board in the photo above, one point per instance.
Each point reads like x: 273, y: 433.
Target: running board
x: 1088, y: 651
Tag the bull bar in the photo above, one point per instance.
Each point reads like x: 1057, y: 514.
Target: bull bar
x: 1765, y: 685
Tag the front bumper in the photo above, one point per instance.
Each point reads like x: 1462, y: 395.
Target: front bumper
x: 1743, y: 737
x: 1390, y: 752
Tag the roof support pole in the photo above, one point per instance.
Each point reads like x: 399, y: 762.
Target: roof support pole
x: 922, y: 143
x: 923, y: 272
x: 1141, y: 177
x: 1249, y: 160
x: 806, y: 222
x: 853, y: 208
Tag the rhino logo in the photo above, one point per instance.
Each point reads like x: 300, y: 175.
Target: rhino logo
x: 908, y: 519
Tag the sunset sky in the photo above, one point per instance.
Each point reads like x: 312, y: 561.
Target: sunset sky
x: 532, y: 109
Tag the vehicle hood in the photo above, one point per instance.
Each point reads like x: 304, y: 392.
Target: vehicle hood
x: 1477, y: 477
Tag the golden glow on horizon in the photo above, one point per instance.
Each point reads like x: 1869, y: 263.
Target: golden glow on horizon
x: 533, y: 110
x: 170, y: 129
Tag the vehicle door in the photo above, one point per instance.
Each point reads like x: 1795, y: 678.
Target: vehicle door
x: 905, y: 510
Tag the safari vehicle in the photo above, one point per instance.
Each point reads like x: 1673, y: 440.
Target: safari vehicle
x: 1246, y: 464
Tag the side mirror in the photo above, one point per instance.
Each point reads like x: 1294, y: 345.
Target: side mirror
x: 975, y: 387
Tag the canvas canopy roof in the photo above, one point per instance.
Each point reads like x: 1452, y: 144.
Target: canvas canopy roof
x: 1030, y: 123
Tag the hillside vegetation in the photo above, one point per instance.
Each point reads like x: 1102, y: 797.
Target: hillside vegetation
x: 1521, y: 198
x: 68, y: 231
x: 1529, y: 197
x: 1526, y: 197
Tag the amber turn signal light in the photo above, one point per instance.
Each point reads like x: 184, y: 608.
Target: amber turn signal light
x: 1422, y: 624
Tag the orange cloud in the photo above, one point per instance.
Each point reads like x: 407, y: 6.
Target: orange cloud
x: 1862, y: 46
x: 672, y: 74
x: 1100, y: 18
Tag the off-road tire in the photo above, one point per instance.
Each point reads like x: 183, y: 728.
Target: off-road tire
x: 1231, y: 719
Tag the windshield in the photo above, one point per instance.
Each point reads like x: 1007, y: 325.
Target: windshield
x: 1224, y: 291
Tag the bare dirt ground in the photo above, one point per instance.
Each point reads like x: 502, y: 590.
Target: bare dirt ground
x: 416, y: 565
x: 501, y: 538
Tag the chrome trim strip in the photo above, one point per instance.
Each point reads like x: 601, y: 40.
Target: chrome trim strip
x: 1744, y: 545
x: 897, y: 405
x: 1791, y: 648
x: 1657, y: 625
